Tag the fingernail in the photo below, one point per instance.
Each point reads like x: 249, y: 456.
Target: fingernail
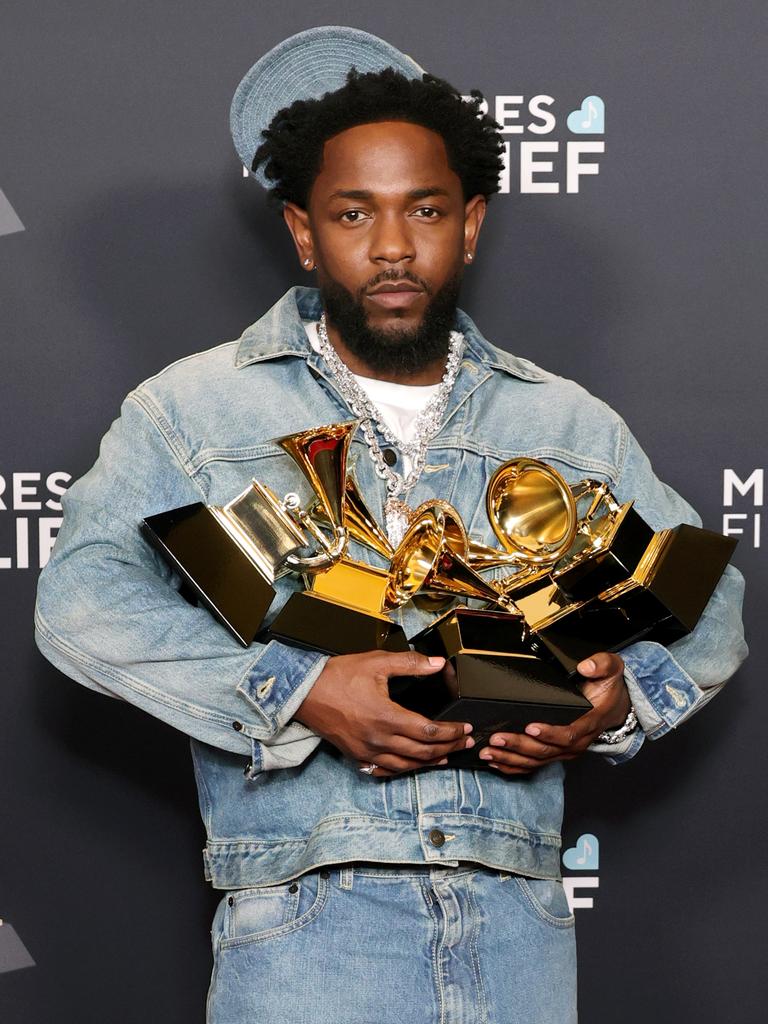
x: 444, y: 761
x: 467, y: 727
x: 533, y: 730
x: 586, y: 666
x: 469, y: 743
x: 497, y: 741
x: 436, y: 661
x: 486, y: 755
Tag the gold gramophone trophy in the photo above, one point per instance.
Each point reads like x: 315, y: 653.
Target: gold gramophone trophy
x: 229, y: 556
x: 344, y: 608
x: 498, y: 675
x: 618, y: 581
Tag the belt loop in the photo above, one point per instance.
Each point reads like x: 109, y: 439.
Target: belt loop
x: 346, y: 876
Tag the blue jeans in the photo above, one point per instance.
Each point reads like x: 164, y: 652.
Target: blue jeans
x: 373, y: 944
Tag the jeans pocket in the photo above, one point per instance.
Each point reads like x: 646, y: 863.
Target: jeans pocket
x: 546, y: 898
x: 253, y: 915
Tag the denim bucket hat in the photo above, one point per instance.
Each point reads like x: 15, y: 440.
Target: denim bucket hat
x: 304, y: 66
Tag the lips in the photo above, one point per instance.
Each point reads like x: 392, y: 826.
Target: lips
x: 395, y: 296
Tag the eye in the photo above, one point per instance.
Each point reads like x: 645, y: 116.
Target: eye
x: 352, y: 216
x: 427, y: 212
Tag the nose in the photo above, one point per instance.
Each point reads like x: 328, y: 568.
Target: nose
x: 392, y: 241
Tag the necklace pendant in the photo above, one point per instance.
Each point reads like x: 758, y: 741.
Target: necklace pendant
x: 397, y: 517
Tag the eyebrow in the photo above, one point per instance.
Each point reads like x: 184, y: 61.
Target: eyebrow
x: 361, y: 193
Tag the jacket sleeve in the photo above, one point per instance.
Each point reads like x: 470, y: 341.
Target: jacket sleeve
x: 669, y: 684
x: 109, y: 615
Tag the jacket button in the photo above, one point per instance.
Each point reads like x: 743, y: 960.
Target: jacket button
x: 293, y: 888
x: 248, y: 768
x: 389, y: 456
x: 325, y: 874
x: 237, y: 726
x: 436, y: 837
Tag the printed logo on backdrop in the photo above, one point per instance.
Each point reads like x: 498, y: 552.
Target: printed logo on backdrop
x: 9, y: 220
x: 29, y: 517
x: 584, y: 856
x: 743, y: 497
x: 535, y: 165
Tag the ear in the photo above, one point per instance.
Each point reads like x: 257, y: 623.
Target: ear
x: 474, y: 212
x: 298, y: 224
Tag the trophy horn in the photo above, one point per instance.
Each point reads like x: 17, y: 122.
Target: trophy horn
x: 358, y: 519
x: 321, y: 454
x: 532, y: 510
x: 478, y: 556
x: 426, y: 561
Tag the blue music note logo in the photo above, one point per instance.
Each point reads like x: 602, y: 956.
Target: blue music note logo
x: 585, y: 855
x: 589, y: 119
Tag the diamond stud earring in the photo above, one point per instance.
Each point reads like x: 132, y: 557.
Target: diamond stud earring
x: 307, y: 261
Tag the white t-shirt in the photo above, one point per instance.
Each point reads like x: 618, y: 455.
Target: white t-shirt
x: 399, y: 404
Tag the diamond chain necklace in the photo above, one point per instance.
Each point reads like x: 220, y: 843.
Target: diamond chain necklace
x: 426, y: 425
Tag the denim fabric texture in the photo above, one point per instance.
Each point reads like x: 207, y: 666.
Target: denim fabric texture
x: 368, y: 945
x: 276, y: 801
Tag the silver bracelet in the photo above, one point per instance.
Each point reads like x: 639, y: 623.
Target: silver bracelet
x: 617, y: 735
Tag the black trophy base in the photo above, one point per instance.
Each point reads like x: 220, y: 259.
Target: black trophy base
x: 212, y: 567
x: 663, y: 606
x: 496, y: 676
x: 585, y: 580
x: 311, y: 621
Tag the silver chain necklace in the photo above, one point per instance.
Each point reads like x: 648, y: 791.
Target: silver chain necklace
x: 426, y: 425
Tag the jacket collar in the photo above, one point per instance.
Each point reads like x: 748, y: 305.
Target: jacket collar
x: 280, y: 332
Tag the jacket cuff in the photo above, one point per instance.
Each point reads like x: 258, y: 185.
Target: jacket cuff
x: 288, y: 750
x: 662, y: 692
x: 276, y: 685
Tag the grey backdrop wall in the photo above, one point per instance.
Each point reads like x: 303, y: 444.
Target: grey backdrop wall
x: 128, y: 238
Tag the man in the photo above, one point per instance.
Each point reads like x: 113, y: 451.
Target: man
x: 359, y: 885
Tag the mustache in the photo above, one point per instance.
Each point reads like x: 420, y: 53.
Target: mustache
x: 392, y: 276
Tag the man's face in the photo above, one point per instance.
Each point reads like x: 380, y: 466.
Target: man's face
x: 388, y: 229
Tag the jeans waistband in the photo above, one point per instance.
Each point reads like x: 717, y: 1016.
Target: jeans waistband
x: 346, y: 873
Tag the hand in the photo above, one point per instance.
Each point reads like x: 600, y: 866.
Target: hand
x: 519, y: 754
x: 350, y: 706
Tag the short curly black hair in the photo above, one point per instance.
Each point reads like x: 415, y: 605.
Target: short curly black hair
x: 294, y: 140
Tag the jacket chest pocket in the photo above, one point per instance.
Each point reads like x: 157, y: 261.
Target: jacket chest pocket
x: 224, y: 479
x: 468, y: 493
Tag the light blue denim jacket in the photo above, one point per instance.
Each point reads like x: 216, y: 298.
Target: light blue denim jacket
x: 275, y: 800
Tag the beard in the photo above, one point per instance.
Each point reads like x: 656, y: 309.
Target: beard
x: 396, y: 350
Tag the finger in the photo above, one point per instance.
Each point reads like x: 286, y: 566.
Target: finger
x: 424, y: 730
x: 601, y: 665
x: 406, y: 747
x: 513, y: 757
x: 528, y: 746
x: 409, y: 663
x: 395, y: 763
x: 563, y: 735
x: 510, y: 758
x: 511, y: 769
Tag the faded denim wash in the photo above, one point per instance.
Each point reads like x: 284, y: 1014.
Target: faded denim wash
x: 418, y: 945
x: 109, y: 614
